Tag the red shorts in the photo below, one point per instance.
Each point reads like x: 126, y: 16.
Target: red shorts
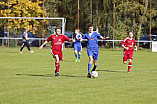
x: 127, y: 55
x: 59, y: 53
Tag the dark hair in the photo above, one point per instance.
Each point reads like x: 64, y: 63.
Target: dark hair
x: 57, y: 28
x: 90, y: 25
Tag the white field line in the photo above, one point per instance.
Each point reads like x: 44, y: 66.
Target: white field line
x: 72, y: 69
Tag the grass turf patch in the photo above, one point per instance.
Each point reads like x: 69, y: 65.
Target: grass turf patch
x: 29, y: 78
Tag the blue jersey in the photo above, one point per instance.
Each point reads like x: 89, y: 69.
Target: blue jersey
x: 77, y: 42
x: 92, y: 40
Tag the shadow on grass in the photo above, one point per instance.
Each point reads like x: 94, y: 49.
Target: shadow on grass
x: 48, y: 75
x: 36, y: 75
x: 111, y: 70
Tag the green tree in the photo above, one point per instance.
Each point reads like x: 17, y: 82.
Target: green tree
x: 22, y: 8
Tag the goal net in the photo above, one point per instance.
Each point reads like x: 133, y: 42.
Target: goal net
x: 12, y: 28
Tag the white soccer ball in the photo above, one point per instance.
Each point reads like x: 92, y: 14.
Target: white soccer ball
x: 94, y: 74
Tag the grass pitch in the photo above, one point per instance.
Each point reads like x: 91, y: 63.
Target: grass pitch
x: 29, y: 78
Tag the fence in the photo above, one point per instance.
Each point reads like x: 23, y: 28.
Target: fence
x: 36, y: 42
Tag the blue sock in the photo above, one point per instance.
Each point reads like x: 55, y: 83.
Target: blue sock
x: 94, y: 67
x: 76, y: 55
x: 79, y: 56
x: 89, y: 67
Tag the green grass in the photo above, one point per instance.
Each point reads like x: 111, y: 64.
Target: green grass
x: 29, y: 78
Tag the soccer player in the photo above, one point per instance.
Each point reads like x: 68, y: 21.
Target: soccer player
x: 56, y: 45
x: 92, y: 47
x: 128, y: 44
x: 77, y: 45
x: 25, y: 41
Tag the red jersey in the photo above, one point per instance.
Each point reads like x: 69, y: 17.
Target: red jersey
x: 127, y: 42
x: 57, y: 41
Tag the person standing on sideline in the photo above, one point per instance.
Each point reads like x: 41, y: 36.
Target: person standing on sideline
x: 128, y: 44
x: 92, y: 47
x: 56, y: 47
x: 25, y: 41
x: 77, y: 45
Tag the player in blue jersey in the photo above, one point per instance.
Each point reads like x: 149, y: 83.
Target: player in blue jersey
x: 92, y: 47
x: 77, y: 45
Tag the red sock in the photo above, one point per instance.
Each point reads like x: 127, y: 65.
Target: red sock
x: 129, y: 66
x: 57, y: 67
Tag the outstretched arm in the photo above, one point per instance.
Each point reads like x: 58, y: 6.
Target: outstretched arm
x: 80, y: 39
x: 71, y: 40
x: 43, y: 45
x: 104, y: 38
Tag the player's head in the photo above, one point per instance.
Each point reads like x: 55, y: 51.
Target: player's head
x: 77, y: 31
x: 58, y: 30
x: 131, y: 34
x: 26, y: 29
x: 90, y: 28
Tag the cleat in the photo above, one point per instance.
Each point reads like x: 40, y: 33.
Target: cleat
x: 31, y: 51
x: 57, y: 74
x: 89, y: 76
x: 20, y: 52
x: 76, y: 60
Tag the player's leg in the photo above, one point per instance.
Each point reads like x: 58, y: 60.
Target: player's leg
x: 56, y: 57
x: 95, y: 56
x: 90, y: 55
x: 58, y: 62
x: 57, y: 65
x: 130, y: 65
x: 125, y: 57
x: 130, y: 62
x: 23, y: 45
x: 90, y: 66
x: 79, y: 52
x: 27, y: 44
x: 76, y: 55
x: 75, y: 51
x: 79, y: 56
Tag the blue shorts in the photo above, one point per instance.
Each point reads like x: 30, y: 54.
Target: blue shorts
x: 94, y: 53
x: 78, y: 48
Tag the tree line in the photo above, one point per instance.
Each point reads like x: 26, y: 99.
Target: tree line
x: 130, y: 15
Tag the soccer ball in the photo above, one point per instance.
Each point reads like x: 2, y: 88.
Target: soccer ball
x: 94, y: 74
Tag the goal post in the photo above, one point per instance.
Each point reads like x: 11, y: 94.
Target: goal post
x: 17, y: 24
x: 41, y: 18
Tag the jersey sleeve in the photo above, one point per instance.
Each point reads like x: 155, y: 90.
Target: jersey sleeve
x: 123, y: 42
x: 134, y: 43
x: 80, y: 36
x: 84, y: 37
x: 49, y: 38
x: 66, y: 38
x: 99, y: 35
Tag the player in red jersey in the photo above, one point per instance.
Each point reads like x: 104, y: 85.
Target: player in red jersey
x: 128, y: 44
x: 56, y: 45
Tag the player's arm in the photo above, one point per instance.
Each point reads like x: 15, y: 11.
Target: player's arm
x: 43, y: 45
x: 71, y: 40
x: 26, y: 36
x: 104, y: 38
x: 125, y: 47
x: 135, y: 48
x: 82, y: 38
